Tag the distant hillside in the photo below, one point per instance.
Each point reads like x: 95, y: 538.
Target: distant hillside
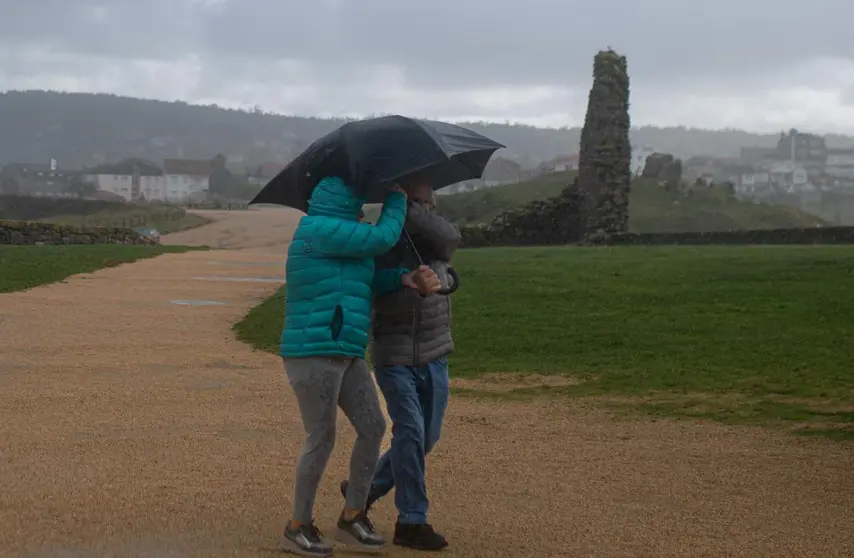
x: 651, y: 208
x: 80, y: 129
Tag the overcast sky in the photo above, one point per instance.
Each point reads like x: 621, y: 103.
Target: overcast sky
x: 761, y: 65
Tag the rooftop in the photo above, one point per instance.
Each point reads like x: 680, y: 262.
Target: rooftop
x: 128, y: 167
x: 189, y: 167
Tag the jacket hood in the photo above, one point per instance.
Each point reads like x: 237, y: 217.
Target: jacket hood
x: 333, y: 198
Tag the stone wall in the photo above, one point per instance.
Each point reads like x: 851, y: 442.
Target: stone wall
x: 552, y: 221
x: 811, y: 235
x: 29, y: 233
x: 477, y: 237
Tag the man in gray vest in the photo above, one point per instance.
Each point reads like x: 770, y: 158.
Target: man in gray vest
x: 410, y: 344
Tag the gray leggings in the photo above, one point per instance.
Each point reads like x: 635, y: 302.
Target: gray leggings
x: 322, y: 385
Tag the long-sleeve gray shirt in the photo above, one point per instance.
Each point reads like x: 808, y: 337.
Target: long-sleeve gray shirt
x: 408, y: 329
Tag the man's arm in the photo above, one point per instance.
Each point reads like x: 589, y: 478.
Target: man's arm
x: 442, y: 235
x: 339, y: 238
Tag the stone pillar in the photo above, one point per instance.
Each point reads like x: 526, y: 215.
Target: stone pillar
x: 604, y: 172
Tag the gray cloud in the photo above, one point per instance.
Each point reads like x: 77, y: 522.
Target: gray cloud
x: 356, y: 56
x: 488, y: 42
x: 150, y: 29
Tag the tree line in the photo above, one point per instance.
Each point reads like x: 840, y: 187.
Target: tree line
x: 81, y: 129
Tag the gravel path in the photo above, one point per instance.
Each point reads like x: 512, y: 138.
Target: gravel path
x: 134, y: 427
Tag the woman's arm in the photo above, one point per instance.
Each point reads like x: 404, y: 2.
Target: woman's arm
x: 339, y: 238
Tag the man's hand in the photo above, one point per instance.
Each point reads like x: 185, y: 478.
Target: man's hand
x: 423, y: 279
x: 427, y: 281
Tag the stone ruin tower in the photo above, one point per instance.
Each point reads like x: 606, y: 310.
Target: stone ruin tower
x: 604, y: 169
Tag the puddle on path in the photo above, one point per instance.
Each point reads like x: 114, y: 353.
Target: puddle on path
x: 198, y: 302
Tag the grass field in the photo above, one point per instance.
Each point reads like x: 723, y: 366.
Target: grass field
x: 162, y: 218
x: 651, y: 208
x: 25, y: 267
x: 735, y: 334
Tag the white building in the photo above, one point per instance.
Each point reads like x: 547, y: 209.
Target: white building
x: 152, y: 188
x: 187, y: 179
x: 840, y: 163
x: 562, y: 163
x: 131, y: 179
x: 784, y: 177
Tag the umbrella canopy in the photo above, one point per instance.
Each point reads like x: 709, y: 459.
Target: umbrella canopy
x: 373, y: 154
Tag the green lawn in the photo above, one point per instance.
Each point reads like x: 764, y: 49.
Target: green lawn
x: 262, y: 326
x: 25, y: 267
x: 743, y: 334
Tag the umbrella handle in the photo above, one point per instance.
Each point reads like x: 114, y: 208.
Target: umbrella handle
x: 455, y: 283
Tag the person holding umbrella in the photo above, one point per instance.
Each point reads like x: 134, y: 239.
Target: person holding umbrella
x: 331, y: 279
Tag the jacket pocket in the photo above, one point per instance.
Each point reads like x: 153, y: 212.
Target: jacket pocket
x: 337, y: 322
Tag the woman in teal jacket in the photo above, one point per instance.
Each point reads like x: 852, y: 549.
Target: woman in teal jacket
x: 331, y: 281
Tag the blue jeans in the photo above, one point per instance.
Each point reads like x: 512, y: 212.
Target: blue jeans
x: 416, y: 397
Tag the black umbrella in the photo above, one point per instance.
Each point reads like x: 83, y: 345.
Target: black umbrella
x: 371, y: 155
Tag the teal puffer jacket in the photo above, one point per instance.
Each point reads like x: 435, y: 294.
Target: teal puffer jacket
x: 330, y: 275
